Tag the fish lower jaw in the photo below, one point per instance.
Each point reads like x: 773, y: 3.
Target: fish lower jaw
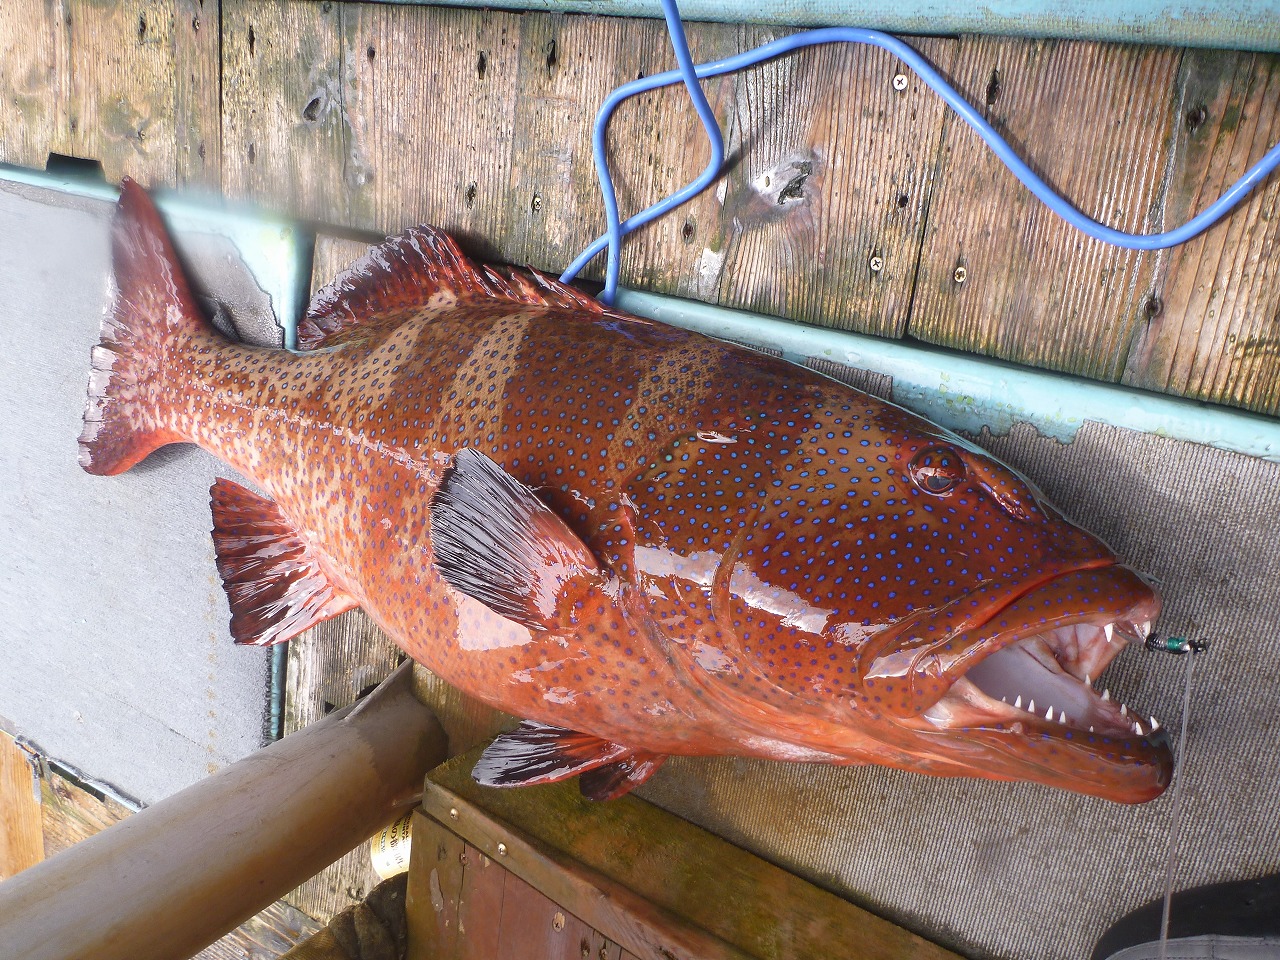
x: 1045, y: 682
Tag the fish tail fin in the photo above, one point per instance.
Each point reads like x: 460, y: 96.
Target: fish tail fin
x: 130, y: 409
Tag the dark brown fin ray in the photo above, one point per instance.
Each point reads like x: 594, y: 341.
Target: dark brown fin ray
x: 274, y: 583
x: 424, y: 268
x: 611, y: 782
x: 540, y: 753
x: 153, y: 313
x: 499, y: 544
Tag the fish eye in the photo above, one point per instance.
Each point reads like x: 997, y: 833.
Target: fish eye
x: 937, y: 470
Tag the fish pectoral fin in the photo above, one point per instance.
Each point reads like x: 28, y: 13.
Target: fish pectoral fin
x: 536, y: 753
x: 274, y: 582
x: 612, y: 781
x: 495, y: 541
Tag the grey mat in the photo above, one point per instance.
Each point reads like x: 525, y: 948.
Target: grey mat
x: 1022, y: 871
x: 114, y: 650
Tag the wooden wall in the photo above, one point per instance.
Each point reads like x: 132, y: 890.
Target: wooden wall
x: 376, y: 116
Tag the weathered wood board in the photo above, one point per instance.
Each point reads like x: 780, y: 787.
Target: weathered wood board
x: 1142, y: 139
x: 133, y: 85
x: 644, y: 881
x: 21, y: 840
x: 847, y: 201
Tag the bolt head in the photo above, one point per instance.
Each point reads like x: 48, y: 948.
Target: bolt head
x: 453, y: 813
x: 876, y: 263
x: 961, y: 275
x: 502, y: 849
x: 900, y: 82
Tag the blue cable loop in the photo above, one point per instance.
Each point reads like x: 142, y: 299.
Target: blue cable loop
x: 612, y: 239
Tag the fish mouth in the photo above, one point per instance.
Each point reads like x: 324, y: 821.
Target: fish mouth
x: 1046, y: 681
x: 1018, y: 696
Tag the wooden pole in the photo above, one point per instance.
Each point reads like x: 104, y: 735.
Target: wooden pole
x: 167, y: 881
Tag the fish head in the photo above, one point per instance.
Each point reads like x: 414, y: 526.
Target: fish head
x: 924, y: 606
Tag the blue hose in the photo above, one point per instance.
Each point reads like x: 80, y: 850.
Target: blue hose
x: 689, y: 74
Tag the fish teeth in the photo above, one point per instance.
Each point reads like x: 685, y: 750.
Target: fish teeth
x: 1088, y: 680
x: 1155, y: 724
x: 1048, y: 714
x: 1144, y: 628
x: 1091, y: 729
x: 1109, y: 629
x: 1124, y: 711
x: 1004, y: 699
x: 1062, y: 717
x: 1137, y: 728
x: 1018, y: 702
x: 1031, y: 707
x: 1106, y: 694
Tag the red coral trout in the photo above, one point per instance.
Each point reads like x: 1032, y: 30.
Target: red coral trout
x: 640, y: 540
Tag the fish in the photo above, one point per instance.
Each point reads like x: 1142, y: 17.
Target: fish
x: 640, y: 541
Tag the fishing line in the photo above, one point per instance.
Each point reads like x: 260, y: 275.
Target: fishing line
x: 1176, y: 645
x: 688, y: 74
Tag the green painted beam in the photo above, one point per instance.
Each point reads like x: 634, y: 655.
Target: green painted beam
x: 1224, y: 24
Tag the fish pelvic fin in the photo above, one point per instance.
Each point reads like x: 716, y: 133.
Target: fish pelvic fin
x: 616, y: 779
x: 495, y: 541
x: 274, y: 581
x: 423, y: 268
x: 128, y: 411
x: 536, y: 753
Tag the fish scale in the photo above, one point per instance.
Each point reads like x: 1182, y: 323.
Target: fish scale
x: 642, y: 541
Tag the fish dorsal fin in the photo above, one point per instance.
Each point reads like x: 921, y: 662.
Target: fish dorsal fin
x: 535, y: 753
x: 274, y: 583
x: 612, y: 781
x: 424, y: 268
x: 495, y: 541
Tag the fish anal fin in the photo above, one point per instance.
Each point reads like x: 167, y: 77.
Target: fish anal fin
x: 616, y: 779
x: 424, y: 269
x: 536, y: 753
x: 495, y: 541
x: 274, y: 582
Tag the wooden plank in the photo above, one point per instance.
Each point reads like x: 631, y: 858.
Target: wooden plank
x: 651, y: 932
x: 1094, y: 119
x: 285, y: 136
x: 443, y: 155
x: 436, y: 872
x: 271, y: 933
x: 70, y: 814
x: 21, y: 841
x: 1210, y: 327
x: 197, y: 43
x: 533, y: 927
x: 33, y: 75
x: 480, y: 906
x: 656, y: 873
x: 824, y: 213
x: 490, y: 139
x: 102, y: 82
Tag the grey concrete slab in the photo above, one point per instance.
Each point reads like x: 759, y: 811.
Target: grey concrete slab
x: 115, y: 655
